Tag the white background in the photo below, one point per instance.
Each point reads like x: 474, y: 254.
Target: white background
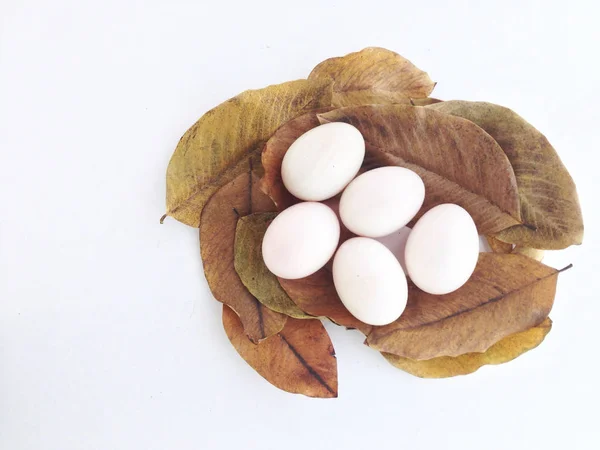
x: 109, y: 336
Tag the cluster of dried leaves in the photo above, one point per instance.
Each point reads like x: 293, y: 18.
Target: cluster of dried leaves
x: 225, y: 179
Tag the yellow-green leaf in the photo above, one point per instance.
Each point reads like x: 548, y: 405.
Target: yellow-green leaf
x: 503, y: 351
x: 217, y: 148
x: 253, y: 272
x: 549, y: 204
x: 373, y: 76
x: 533, y: 253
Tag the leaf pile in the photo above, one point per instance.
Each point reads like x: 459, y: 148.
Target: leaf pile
x: 225, y: 178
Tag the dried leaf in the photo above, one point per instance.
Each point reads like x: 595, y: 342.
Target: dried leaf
x: 424, y: 101
x: 217, y: 236
x: 373, y: 76
x: 506, y: 294
x: 534, y: 253
x: 502, y: 351
x: 251, y: 268
x: 549, y: 203
x: 458, y: 162
x: 316, y: 295
x: 299, y: 359
x: 217, y: 147
x: 274, y: 151
x: 498, y: 246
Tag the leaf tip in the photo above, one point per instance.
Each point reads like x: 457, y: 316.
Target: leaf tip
x: 332, y: 351
x: 322, y: 120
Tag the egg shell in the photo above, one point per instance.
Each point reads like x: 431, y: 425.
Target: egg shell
x: 369, y: 281
x: 322, y: 161
x: 381, y: 201
x: 442, y: 249
x: 300, y: 240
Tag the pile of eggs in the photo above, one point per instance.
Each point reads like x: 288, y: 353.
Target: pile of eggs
x: 440, y: 252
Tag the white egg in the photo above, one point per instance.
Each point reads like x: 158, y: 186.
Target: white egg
x: 381, y: 201
x: 369, y: 281
x: 321, y: 162
x: 396, y: 243
x: 442, y: 249
x: 484, y: 245
x: 301, y: 240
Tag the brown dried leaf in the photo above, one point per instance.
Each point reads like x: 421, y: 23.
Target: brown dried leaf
x: 506, y: 294
x: 502, y: 351
x: 239, y: 197
x: 299, y: 359
x: 251, y: 268
x: 217, y: 147
x: 498, y: 246
x: 373, y: 76
x: 549, y: 203
x: 274, y: 151
x: 316, y: 295
x: 458, y: 162
x: 424, y: 101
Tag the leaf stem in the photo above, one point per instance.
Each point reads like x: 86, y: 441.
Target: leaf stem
x: 565, y: 268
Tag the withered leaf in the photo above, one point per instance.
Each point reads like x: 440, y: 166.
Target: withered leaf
x: 251, y: 268
x: 501, y: 352
x: 506, y: 294
x: 299, y: 359
x: 549, y: 203
x: 373, y: 76
x: 217, y: 236
x: 316, y: 295
x: 458, y: 162
x: 274, y: 151
x: 217, y: 147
